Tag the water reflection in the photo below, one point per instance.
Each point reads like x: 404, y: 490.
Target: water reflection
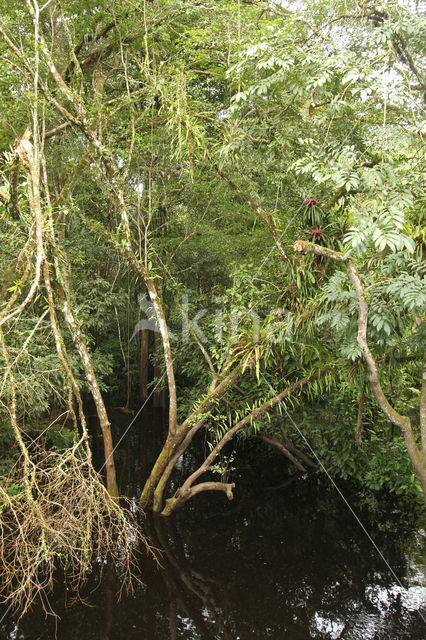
x: 281, y: 571
x: 194, y: 596
x: 110, y: 601
x: 286, y: 564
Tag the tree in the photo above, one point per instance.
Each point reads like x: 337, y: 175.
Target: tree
x: 415, y: 452
x: 182, y: 149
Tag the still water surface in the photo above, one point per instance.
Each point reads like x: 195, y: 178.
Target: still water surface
x: 282, y: 563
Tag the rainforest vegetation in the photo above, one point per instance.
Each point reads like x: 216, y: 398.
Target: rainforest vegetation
x: 215, y: 206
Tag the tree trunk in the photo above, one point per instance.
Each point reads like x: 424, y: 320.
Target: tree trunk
x: 104, y: 422
x: 417, y: 455
x: 178, y: 441
x: 157, y: 472
x: 187, y: 490
x: 143, y: 355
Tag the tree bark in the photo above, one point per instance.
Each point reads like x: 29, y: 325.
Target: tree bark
x: 177, y: 443
x: 403, y: 422
x: 159, y: 398
x: 184, y: 492
x: 90, y: 376
x: 178, y: 500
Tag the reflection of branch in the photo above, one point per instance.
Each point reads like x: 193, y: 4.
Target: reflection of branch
x: 283, y: 485
x: 110, y: 599
x: 181, y: 578
x: 177, y: 578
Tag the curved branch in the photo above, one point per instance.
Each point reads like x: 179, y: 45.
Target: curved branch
x: 274, y: 442
x: 181, y: 495
x: 403, y: 422
x: 173, y: 503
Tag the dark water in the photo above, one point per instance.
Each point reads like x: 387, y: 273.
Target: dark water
x: 282, y: 563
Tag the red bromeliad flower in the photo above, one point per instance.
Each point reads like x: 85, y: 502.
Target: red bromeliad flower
x: 311, y: 202
x: 316, y: 232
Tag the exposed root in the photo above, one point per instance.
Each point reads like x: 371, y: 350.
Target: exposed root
x: 71, y: 523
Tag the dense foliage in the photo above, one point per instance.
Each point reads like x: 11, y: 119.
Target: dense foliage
x: 159, y: 160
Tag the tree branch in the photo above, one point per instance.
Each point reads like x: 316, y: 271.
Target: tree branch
x: 182, y: 492
x: 171, y: 503
x: 403, y: 422
x: 274, y: 442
